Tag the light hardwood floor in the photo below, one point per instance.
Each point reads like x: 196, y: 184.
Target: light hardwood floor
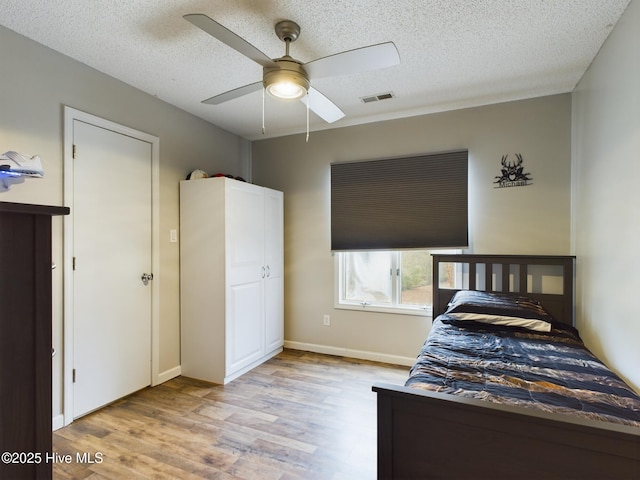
x: 300, y: 415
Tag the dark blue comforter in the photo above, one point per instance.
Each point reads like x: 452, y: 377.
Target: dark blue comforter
x: 553, y: 371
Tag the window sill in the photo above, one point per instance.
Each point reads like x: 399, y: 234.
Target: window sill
x: 416, y: 311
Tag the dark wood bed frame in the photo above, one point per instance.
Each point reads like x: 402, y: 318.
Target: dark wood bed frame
x: 425, y: 434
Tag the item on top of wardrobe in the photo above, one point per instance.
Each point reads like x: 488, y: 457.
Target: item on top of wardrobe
x: 197, y: 174
x: 217, y: 175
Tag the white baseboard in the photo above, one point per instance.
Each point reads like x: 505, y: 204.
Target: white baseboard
x: 168, y: 375
x: 347, y: 352
x: 57, y: 422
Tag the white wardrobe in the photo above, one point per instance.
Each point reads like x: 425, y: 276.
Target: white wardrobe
x: 231, y: 277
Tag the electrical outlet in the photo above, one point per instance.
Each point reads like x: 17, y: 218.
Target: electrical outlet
x: 326, y: 320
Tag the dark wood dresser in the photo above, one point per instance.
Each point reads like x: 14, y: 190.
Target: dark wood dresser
x: 25, y: 339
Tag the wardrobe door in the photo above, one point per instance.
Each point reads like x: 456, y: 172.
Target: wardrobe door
x: 244, y: 210
x: 274, y: 278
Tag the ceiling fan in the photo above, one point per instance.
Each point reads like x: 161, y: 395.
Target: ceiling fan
x: 288, y: 78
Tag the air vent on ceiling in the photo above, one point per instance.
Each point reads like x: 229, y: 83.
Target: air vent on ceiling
x: 376, y: 98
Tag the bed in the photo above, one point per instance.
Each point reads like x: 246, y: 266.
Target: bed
x: 505, y: 420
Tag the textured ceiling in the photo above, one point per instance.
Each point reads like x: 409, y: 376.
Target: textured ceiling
x: 453, y: 53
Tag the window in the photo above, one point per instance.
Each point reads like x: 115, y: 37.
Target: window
x: 386, y: 281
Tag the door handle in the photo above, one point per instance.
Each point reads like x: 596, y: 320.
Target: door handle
x: 146, y: 277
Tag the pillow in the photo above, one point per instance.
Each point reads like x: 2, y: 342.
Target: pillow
x: 499, y: 309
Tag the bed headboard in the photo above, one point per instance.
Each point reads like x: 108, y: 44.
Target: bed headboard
x: 524, y: 275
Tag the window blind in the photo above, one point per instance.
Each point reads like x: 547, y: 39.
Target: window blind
x: 409, y: 202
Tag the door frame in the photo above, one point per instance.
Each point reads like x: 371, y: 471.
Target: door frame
x: 70, y: 115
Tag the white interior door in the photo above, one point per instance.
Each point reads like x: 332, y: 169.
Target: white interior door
x: 112, y: 250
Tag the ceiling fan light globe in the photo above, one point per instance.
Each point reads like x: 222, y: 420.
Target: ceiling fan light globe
x: 286, y: 90
x: 287, y: 80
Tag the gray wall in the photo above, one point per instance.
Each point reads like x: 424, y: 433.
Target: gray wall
x: 533, y: 219
x: 35, y: 85
x: 606, y: 198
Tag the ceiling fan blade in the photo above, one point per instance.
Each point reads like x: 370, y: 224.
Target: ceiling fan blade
x: 229, y: 38
x: 232, y: 94
x: 322, y: 106
x: 359, y: 60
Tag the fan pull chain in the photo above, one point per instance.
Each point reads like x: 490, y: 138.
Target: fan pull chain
x: 263, y: 129
x: 307, y: 102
